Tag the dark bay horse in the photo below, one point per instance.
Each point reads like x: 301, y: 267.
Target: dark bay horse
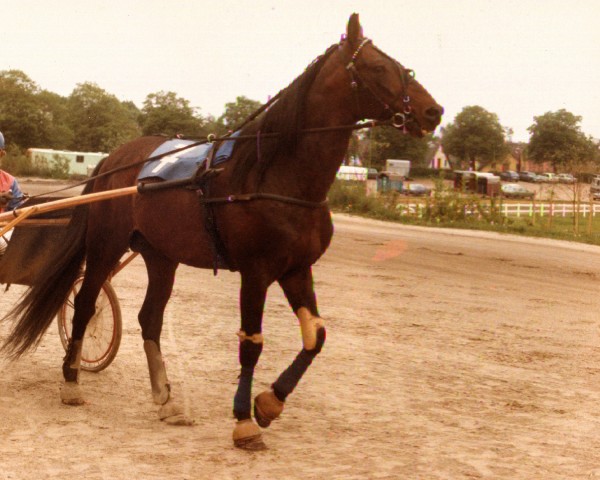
x: 267, y: 239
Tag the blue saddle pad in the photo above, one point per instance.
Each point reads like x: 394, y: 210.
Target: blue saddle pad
x: 183, y: 164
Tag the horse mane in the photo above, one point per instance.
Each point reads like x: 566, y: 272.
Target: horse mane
x: 285, y: 117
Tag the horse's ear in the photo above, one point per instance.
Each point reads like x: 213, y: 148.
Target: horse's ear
x: 355, y: 32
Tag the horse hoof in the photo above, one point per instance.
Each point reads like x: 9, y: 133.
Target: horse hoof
x: 267, y: 407
x: 247, y: 436
x: 172, y: 414
x: 70, y: 394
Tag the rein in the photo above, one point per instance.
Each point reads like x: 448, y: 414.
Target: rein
x: 397, y: 120
x: 212, y: 139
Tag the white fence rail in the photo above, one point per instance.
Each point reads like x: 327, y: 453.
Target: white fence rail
x: 560, y: 209
x: 525, y: 209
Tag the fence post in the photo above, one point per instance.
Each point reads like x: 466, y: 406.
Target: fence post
x: 591, y: 216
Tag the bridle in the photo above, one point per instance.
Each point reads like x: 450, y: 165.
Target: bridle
x: 399, y: 119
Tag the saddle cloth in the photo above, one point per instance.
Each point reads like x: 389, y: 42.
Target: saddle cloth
x: 184, y: 164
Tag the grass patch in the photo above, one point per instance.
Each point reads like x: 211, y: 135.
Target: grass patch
x: 447, y: 208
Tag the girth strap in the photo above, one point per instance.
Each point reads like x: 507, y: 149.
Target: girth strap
x: 219, y: 252
x: 220, y: 256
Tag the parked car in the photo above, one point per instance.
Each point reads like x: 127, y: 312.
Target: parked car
x: 514, y: 190
x: 529, y: 177
x: 509, y: 176
x: 566, y: 178
x: 415, y: 189
x: 595, y: 187
x: 549, y: 177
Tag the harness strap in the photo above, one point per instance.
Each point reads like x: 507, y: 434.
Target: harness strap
x: 246, y: 197
x: 219, y: 252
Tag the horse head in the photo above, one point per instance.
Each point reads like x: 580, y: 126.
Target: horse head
x: 383, y: 89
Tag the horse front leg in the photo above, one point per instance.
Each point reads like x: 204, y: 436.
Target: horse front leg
x: 161, y: 276
x: 253, y: 293
x: 298, y: 288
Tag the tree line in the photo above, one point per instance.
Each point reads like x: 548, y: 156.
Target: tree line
x: 92, y: 119
x: 476, y: 139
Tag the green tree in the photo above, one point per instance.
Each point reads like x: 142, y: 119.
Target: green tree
x: 134, y: 111
x: 23, y: 117
x: 214, y: 126
x: 100, y: 122
x: 56, y: 111
x: 475, y: 137
x: 556, y: 137
x: 237, y: 112
x: 166, y: 113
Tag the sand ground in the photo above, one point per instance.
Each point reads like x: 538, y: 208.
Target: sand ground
x: 449, y: 355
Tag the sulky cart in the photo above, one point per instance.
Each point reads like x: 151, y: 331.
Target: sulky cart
x: 36, y: 229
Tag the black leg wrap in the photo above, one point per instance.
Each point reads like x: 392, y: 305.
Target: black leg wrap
x: 288, y: 380
x: 70, y: 371
x: 242, y: 404
x: 249, y: 353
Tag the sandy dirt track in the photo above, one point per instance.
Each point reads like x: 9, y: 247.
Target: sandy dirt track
x: 450, y: 355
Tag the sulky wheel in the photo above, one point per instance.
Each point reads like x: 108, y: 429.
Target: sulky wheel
x: 103, y: 333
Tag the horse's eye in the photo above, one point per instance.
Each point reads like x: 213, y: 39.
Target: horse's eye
x: 379, y: 69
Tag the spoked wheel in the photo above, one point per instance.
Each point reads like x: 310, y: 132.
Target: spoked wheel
x: 103, y: 333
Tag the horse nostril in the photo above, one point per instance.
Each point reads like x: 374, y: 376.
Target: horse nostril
x: 434, y: 113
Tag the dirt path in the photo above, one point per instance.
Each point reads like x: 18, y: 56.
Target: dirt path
x: 450, y: 355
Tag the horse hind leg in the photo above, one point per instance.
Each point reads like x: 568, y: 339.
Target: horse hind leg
x: 85, y: 307
x: 298, y: 289
x: 161, y: 276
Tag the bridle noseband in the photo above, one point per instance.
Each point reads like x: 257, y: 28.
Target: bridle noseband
x: 399, y: 119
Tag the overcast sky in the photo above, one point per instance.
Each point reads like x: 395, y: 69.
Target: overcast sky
x: 517, y: 59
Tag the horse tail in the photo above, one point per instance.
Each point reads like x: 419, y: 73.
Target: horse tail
x: 36, y: 310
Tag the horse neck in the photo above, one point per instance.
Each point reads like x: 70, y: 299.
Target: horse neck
x: 310, y: 171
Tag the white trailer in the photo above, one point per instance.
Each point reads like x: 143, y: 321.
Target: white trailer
x: 352, y: 173
x: 80, y: 163
x: 400, y: 168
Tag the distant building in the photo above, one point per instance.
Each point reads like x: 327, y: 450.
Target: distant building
x: 438, y: 159
x: 511, y: 162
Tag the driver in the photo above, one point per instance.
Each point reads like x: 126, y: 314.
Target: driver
x: 10, y: 194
